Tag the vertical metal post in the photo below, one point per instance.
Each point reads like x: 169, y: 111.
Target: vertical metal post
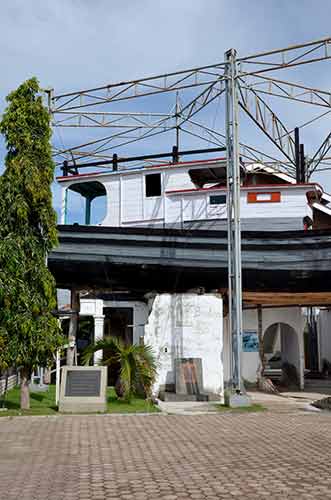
x: 64, y: 203
x: 57, y: 376
x: 177, y: 120
x: 115, y: 164
x: 88, y: 211
x: 297, y: 154
x: 233, y: 216
x: 302, y: 164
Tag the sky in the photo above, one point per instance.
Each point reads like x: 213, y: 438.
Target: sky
x: 76, y: 44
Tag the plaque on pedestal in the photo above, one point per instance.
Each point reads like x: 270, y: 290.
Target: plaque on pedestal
x: 83, y: 389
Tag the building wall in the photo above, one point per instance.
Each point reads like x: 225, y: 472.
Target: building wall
x: 191, y: 325
x: 294, y: 353
x: 187, y: 325
x: 324, y: 331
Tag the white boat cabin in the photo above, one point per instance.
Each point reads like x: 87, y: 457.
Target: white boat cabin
x: 192, y: 195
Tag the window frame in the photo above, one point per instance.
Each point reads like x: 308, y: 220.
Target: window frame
x: 145, y: 187
x: 223, y: 195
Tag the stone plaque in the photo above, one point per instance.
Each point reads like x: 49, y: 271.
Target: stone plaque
x: 83, y: 383
x: 83, y: 389
x: 189, y: 376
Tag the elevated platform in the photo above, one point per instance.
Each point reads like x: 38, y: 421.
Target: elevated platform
x: 168, y: 260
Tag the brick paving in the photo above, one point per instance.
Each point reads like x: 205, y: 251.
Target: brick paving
x: 214, y: 456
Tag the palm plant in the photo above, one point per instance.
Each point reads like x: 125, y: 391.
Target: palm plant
x: 137, y: 365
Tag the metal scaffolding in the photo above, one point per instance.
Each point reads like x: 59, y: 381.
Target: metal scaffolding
x: 248, y: 88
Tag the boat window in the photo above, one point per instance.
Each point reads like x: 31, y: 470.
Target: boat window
x: 86, y: 203
x: 152, y: 185
x: 217, y: 199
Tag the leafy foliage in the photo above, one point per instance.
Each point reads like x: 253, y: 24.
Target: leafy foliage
x: 137, y: 364
x: 5, y: 359
x: 27, y: 231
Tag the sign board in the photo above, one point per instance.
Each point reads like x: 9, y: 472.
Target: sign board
x: 83, y: 389
x: 250, y: 341
x: 83, y: 383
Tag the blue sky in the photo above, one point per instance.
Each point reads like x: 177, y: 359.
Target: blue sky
x: 73, y: 44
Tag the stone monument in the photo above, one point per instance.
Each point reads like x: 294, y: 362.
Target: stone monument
x: 83, y: 389
x: 188, y: 373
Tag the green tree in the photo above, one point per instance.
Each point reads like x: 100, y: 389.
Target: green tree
x: 27, y: 234
x: 135, y: 364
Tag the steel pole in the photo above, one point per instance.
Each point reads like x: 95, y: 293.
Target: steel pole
x: 233, y: 216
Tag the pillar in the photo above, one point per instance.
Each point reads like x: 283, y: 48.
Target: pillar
x: 73, y: 327
x: 88, y: 211
x: 64, y: 194
x: 98, y: 334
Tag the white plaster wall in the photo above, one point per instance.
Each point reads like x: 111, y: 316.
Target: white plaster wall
x: 226, y: 351
x: 187, y: 325
x: 250, y: 360
x: 291, y: 316
x: 324, y: 327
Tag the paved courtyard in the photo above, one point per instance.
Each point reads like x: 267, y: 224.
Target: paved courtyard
x: 272, y: 455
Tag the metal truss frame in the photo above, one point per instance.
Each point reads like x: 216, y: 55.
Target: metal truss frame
x: 200, y: 86
x: 245, y: 83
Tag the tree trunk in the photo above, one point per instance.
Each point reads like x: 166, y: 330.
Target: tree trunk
x: 25, y: 390
x: 47, y: 376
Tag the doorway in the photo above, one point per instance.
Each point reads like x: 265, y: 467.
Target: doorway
x: 85, y: 337
x: 118, y: 323
x: 281, y: 348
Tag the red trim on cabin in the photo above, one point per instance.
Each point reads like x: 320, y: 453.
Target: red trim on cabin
x: 254, y: 197
x: 68, y: 177
x: 243, y: 188
x: 159, y: 165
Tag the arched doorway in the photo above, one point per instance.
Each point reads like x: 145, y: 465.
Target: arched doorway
x: 281, y: 346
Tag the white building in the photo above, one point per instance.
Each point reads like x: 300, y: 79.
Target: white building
x: 193, y: 195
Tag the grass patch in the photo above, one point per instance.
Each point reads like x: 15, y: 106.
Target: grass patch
x: 244, y: 409
x: 43, y: 403
x: 136, y: 405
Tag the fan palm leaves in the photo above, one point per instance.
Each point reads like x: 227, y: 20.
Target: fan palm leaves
x: 137, y: 364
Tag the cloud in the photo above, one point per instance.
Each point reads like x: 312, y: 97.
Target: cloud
x: 77, y: 43
x: 74, y: 44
